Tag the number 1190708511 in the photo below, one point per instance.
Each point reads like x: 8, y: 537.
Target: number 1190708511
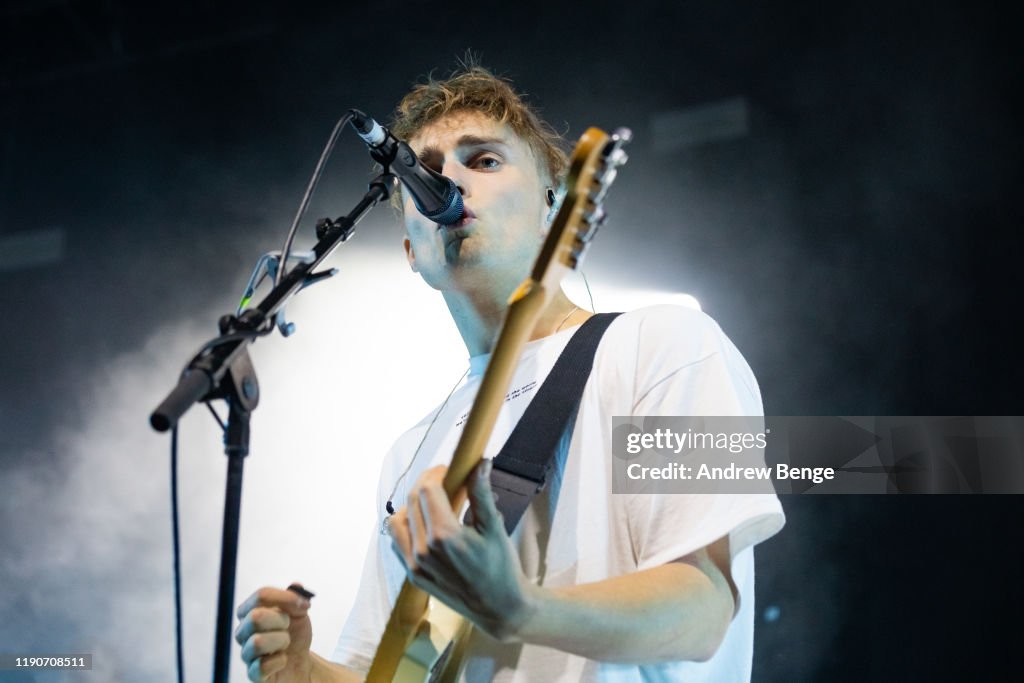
x: 45, y: 662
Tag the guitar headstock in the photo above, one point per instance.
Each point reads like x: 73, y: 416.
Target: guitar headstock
x: 592, y: 170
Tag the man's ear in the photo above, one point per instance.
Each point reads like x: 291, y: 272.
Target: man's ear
x: 409, y: 254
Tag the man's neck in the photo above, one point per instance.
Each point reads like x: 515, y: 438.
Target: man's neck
x: 479, y: 316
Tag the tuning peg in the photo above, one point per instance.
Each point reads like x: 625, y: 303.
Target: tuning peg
x: 613, y: 149
x: 594, y: 218
x: 596, y: 195
x: 608, y: 177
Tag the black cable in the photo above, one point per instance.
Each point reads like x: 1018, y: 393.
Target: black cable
x: 216, y: 417
x: 317, y: 172
x: 224, y: 339
x: 177, y: 555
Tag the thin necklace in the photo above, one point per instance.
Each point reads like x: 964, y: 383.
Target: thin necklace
x: 574, y: 309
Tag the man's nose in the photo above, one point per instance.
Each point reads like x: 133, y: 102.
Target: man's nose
x: 454, y: 172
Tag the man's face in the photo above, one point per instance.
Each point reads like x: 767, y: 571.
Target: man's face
x: 503, y: 190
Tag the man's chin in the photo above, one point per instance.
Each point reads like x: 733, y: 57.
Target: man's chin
x: 456, y: 249
x: 454, y: 232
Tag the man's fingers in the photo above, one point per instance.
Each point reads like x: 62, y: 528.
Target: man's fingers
x: 425, y: 508
x: 417, y: 524
x: 440, y: 521
x: 265, y: 644
x: 481, y: 499
x: 401, y: 540
x: 286, y: 600
x: 262, y: 619
x: 265, y: 620
x: 438, y: 565
x: 264, y: 667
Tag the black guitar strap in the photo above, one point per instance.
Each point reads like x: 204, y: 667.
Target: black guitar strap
x: 520, y: 469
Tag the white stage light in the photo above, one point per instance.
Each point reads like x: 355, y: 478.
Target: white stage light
x: 612, y: 297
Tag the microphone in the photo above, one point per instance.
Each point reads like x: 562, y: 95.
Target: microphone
x: 435, y: 196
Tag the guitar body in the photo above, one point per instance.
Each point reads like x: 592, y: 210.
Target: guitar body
x: 434, y: 653
x: 424, y: 644
x: 424, y: 639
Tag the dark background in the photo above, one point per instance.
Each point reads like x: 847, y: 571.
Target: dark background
x: 860, y: 244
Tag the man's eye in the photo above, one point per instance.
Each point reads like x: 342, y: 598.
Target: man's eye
x: 486, y: 162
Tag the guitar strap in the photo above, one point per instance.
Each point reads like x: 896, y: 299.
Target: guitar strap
x: 520, y: 469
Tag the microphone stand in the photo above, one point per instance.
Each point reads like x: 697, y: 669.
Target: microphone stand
x: 223, y: 369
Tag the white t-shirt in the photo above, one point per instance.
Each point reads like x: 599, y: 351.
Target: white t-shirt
x: 661, y: 360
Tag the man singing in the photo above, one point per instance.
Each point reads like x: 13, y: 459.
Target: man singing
x: 590, y: 586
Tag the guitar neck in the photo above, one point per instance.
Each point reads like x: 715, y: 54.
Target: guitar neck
x: 523, y: 313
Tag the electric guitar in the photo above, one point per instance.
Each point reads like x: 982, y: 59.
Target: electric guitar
x: 424, y: 639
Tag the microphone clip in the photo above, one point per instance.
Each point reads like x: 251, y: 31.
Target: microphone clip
x: 267, y: 266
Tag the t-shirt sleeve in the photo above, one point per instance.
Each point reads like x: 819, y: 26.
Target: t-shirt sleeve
x: 362, y: 632
x: 705, y: 375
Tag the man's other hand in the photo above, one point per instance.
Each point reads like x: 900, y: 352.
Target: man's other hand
x: 275, y: 634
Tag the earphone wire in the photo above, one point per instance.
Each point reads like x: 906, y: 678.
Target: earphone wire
x: 389, y: 506
x: 593, y: 308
